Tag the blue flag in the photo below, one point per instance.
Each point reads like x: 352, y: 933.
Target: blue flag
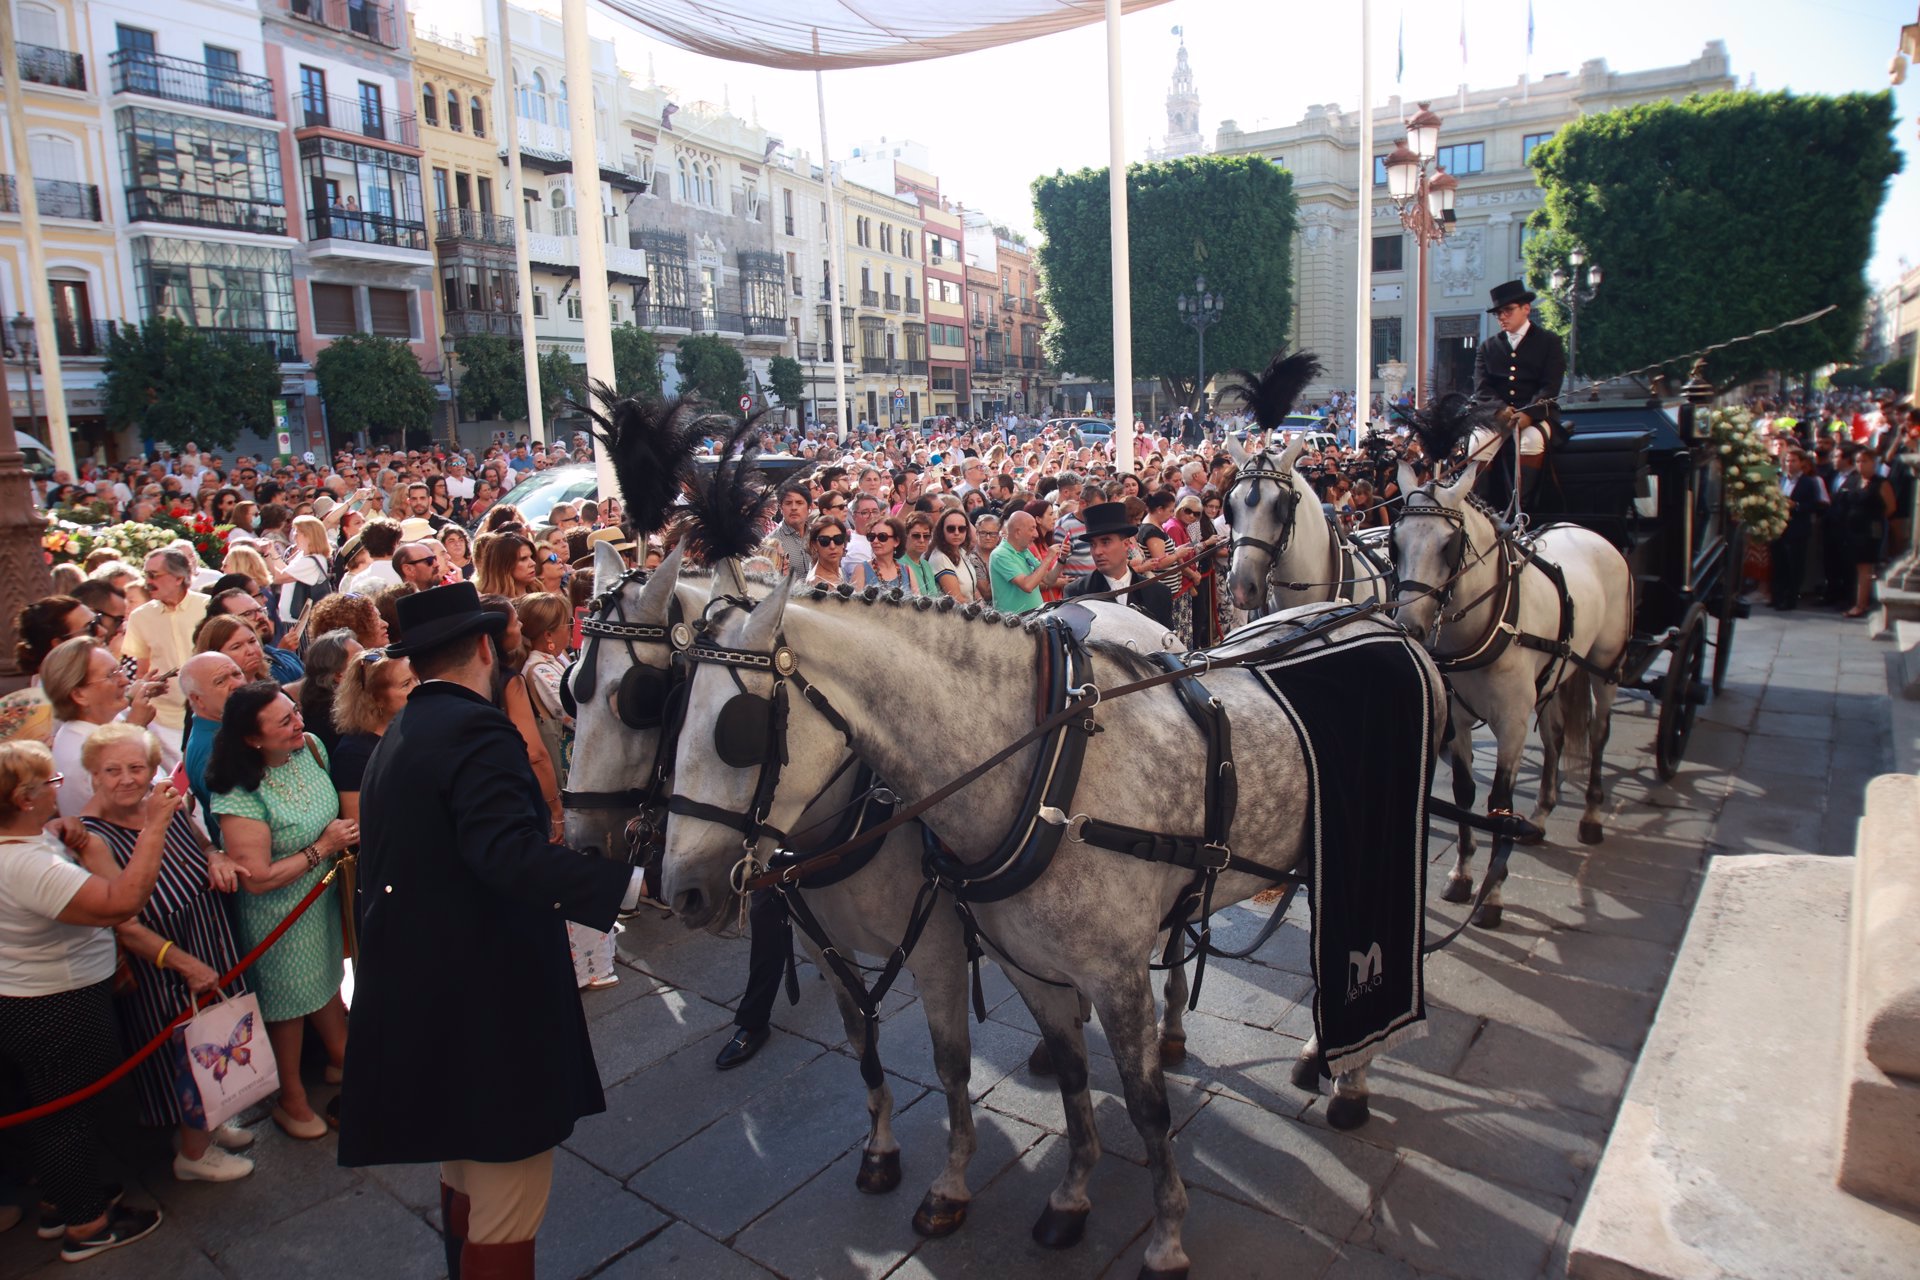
x: 1529, y: 28
x: 1400, y: 68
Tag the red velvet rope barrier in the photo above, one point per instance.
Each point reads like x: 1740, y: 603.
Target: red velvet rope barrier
x: 152, y: 1046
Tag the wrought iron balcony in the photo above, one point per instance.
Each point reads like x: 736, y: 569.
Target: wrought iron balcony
x: 664, y: 316
x: 58, y: 198
x: 83, y: 339
x: 913, y: 306
x: 154, y: 75
x: 822, y: 352
x: 874, y: 364
x: 766, y: 327
x: 284, y: 344
x: 463, y: 324
x: 869, y: 298
x: 361, y: 227
x: 151, y: 204
x: 1007, y: 303
x: 979, y: 319
x: 988, y: 364
x: 361, y: 19
x: 352, y: 115
x: 472, y: 225
x: 1029, y: 362
x: 915, y: 368
x: 42, y: 65
x: 702, y: 320
x: 892, y: 301
x: 1026, y: 306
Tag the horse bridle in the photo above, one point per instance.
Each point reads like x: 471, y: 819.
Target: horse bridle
x: 1458, y: 544
x: 647, y: 698
x: 1261, y: 469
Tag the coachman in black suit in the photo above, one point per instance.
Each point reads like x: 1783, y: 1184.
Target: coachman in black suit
x: 1110, y: 533
x: 469, y: 1046
x: 1520, y: 366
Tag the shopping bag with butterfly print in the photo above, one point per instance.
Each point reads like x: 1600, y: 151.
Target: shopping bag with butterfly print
x: 222, y: 1061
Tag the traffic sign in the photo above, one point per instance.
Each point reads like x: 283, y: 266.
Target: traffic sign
x: 746, y: 404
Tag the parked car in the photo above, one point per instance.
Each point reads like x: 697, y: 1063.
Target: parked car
x: 1082, y: 431
x: 39, y: 458
x: 540, y: 493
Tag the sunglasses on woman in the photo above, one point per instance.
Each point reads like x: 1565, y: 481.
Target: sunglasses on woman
x: 879, y: 537
x: 830, y: 540
x: 955, y: 528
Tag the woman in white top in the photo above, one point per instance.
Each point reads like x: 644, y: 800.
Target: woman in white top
x: 952, y: 565
x: 87, y: 689
x: 56, y: 989
x: 309, y: 564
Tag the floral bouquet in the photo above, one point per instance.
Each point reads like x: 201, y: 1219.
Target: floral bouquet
x: 1753, y: 482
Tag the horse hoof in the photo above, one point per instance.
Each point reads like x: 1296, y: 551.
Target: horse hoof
x: 938, y: 1216
x: 1040, y: 1061
x: 1457, y: 890
x: 1060, y: 1228
x: 1488, y: 916
x: 1345, y: 1112
x: 1591, y: 832
x: 1536, y: 836
x: 1306, y: 1074
x: 879, y: 1174
x: 1172, y: 1052
x: 1155, y: 1273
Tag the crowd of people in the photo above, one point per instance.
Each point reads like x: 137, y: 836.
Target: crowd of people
x: 187, y: 762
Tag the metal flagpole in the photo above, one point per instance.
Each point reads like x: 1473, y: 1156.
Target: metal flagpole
x: 589, y: 211
x: 1363, y: 328
x: 834, y: 254
x: 1122, y: 283
x: 506, y: 122
x: 33, y: 292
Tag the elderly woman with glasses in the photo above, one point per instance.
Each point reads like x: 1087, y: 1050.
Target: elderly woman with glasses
x: 56, y: 990
x: 87, y: 689
x: 827, y: 544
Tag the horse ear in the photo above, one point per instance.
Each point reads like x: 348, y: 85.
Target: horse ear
x: 1405, y: 477
x: 1292, y: 453
x: 607, y: 568
x: 1236, y: 450
x: 1456, y: 493
x: 658, y: 593
x: 762, y: 629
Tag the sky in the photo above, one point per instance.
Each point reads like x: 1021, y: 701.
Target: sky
x: 996, y: 120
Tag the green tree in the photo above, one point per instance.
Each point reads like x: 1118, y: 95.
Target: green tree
x: 789, y: 383
x: 711, y: 368
x: 373, y: 384
x: 561, y: 382
x: 179, y: 385
x: 493, y: 379
x: 636, y: 362
x: 1714, y: 218
x: 1230, y: 218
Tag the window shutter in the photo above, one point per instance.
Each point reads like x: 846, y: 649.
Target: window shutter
x: 333, y: 309
x: 388, y: 310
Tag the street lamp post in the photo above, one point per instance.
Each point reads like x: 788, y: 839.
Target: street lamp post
x: 1200, y: 310
x: 23, y: 345
x: 1423, y: 193
x: 447, y: 341
x: 1571, y: 289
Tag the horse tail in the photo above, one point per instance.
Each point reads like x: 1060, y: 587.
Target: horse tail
x: 1576, y: 705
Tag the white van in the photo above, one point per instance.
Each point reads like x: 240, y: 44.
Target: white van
x: 39, y: 458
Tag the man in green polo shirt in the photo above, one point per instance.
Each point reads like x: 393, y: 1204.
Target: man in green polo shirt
x: 1015, y: 571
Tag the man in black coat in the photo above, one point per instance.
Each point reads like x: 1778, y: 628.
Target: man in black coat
x: 1807, y: 505
x: 1520, y: 366
x: 469, y: 1046
x: 1110, y: 534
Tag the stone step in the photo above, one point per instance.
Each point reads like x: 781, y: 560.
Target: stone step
x: 1906, y: 640
x: 1896, y: 605
x: 1723, y: 1156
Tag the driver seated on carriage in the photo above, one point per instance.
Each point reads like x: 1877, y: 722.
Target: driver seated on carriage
x: 1521, y: 369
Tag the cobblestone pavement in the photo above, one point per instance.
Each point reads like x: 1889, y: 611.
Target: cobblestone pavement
x: 1483, y: 1138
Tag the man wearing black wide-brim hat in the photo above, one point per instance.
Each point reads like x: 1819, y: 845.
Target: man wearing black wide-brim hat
x: 1522, y: 367
x: 468, y: 1044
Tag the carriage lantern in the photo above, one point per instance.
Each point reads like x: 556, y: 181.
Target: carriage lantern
x: 1698, y: 393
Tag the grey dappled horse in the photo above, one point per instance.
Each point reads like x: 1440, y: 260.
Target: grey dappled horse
x: 1454, y: 579
x: 1281, y: 536
x: 1091, y: 921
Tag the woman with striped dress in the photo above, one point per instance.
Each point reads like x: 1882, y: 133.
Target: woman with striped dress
x: 177, y: 947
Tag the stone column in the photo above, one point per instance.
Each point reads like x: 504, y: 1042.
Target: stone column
x: 23, y: 564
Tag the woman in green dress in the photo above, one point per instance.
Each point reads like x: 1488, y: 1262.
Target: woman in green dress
x: 280, y: 819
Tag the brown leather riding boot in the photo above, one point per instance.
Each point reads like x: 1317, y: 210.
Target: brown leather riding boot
x: 454, y: 1210
x: 510, y: 1261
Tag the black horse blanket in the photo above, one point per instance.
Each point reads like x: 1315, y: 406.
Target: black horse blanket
x: 1364, y: 711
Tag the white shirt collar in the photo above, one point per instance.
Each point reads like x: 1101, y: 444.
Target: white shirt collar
x: 1514, y: 339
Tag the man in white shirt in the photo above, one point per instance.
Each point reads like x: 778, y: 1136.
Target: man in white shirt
x: 459, y: 483
x: 160, y: 638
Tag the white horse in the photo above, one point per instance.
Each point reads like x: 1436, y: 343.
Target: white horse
x: 1087, y: 925
x: 1286, y: 550
x: 1515, y: 629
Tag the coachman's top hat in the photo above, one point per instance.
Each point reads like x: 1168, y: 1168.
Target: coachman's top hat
x: 1511, y: 291
x: 1108, y: 517
x: 432, y: 619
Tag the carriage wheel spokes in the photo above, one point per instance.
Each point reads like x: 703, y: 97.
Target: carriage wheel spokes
x: 1681, y: 693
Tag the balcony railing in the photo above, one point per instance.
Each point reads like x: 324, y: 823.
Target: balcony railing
x: 462, y: 324
x: 987, y: 364
x: 471, y: 224
x: 1026, y: 306
x: 869, y: 298
x: 149, y: 204
x: 1006, y: 304
x: 822, y: 352
x: 916, y: 368
x: 702, y: 320
x: 155, y: 75
x: 82, y: 339
x: 663, y: 316
x: 362, y: 19
x: 352, y: 115
x: 766, y: 327
x: 56, y: 67
x: 979, y: 319
x: 283, y: 343
x: 874, y: 364
x: 58, y: 198
x: 893, y: 302
x: 361, y: 227
x: 1029, y: 362
x: 913, y: 306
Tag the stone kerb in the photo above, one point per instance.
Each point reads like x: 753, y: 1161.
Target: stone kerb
x: 1880, y: 1131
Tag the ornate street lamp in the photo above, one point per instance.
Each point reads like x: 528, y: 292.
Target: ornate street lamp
x: 1423, y: 194
x: 1573, y: 288
x: 23, y: 347
x: 1200, y: 310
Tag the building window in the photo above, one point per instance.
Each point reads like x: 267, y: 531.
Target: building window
x: 886, y: 243
x: 313, y: 95
x: 475, y: 118
x: 441, y: 201
x: 1379, y: 171
x: 453, y: 111
x: 573, y: 306
x: 1463, y: 158
x: 362, y: 193
x: 372, y: 115
x: 1388, y: 253
x: 906, y: 244
x: 188, y: 169
x: 463, y: 190
x: 533, y: 100
x: 613, y: 309
x: 713, y: 187
x: 786, y: 208
x: 1386, y: 338
x: 430, y: 104
x: 390, y: 315
x: 680, y: 186
x: 1528, y: 143
x: 539, y: 304
x: 333, y: 309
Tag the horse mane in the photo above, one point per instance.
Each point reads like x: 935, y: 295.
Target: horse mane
x: 650, y: 445
x: 1271, y: 396
x: 1445, y: 423
x: 728, y: 517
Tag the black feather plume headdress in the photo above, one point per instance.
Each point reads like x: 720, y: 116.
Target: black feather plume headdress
x: 651, y: 445
x: 1272, y: 395
x: 1445, y: 423
x: 730, y: 512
